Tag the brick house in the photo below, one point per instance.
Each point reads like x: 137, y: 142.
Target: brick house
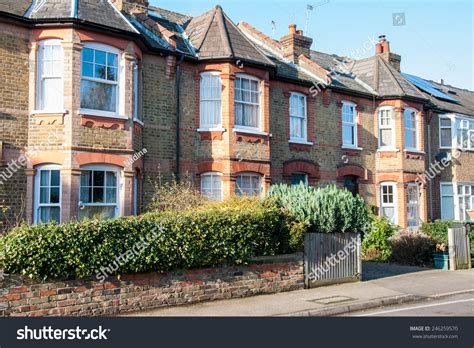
x: 92, y: 92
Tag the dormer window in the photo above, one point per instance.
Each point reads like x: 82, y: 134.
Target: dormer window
x: 100, y: 80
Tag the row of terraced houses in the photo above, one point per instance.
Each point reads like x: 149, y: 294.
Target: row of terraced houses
x: 100, y: 97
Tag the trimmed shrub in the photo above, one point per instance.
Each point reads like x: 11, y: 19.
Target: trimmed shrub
x: 322, y: 210
x: 375, y: 245
x: 412, y: 248
x: 438, y: 231
x: 231, y: 232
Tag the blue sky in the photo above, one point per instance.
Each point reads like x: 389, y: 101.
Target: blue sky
x: 436, y: 40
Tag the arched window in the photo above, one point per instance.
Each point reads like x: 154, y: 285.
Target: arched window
x: 210, y: 100
x: 248, y: 184
x: 99, y: 192
x: 50, y: 92
x: 211, y: 186
x: 100, y: 80
x: 47, y: 194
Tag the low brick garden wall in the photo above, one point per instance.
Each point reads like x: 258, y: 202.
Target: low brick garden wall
x: 265, y: 275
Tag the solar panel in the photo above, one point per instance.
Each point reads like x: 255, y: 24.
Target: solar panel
x: 428, y: 87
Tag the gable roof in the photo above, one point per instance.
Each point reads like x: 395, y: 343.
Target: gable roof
x: 214, y: 35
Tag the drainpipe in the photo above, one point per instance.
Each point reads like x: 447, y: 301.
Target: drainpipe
x: 178, y: 116
x: 430, y: 186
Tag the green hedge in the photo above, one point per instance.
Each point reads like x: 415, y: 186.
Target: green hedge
x: 323, y: 210
x: 230, y: 232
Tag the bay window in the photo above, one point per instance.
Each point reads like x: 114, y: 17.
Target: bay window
x: 48, y: 194
x: 410, y: 119
x: 99, y: 193
x: 388, y: 201
x: 456, y: 200
x: 211, y: 186
x: 247, y: 102
x: 248, y: 184
x: 210, y: 100
x: 456, y: 131
x: 349, y: 125
x: 386, y: 128
x: 137, y: 115
x: 100, y: 80
x: 298, y: 117
x: 50, y: 76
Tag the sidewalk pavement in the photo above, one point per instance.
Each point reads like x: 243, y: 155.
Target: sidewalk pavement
x: 385, y: 284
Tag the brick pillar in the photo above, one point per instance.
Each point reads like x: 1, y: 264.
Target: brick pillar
x: 227, y: 102
x: 30, y: 194
x: 70, y: 182
x: 424, y: 203
x: 401, y: 205
x: 127, y: 208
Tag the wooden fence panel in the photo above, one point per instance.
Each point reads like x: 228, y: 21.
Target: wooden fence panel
x: 459, y: 249
x: 332, y: 258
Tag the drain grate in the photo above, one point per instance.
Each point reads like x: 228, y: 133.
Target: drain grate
x: 331, y: 300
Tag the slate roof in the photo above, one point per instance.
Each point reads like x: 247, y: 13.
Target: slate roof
x: 93, y: 11
x: 464, y: 98
x: 214, y: 35
x: 16, y: 7
x: 385, y: 80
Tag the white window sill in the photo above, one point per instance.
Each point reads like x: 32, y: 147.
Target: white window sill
x: 301, y: 142
x: 139, y: 122
x: 216, y: 129
x: 414, y: 151
x: 388, y: 149
x: 347, y: 147
x: 49, y: 112
x: 98, y: 113
x: 250, y: 131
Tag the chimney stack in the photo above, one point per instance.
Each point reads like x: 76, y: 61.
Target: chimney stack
x: 382, y: 48
x: 131, y: 5
x: 295, y: 44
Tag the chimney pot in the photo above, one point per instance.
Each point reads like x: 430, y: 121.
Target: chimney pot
x: 292, y: 29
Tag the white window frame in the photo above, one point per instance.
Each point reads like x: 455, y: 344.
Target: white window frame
x: 352, y: 124
x: 118, y: 83
x: 37, y: 204
x: 417, y: 135
x: 455, y: 196
x: 258, y: 104
x: 391, y: 127
x: 253, y: 176
x: 303, y: 118
x: 451, y: 128
x: 204, y: 125
x: 393, y: 205
x: 119, y: 188
x: 466, y: 122
x: 213, y: 175
x: 40, y: 92
x: 418, y: 194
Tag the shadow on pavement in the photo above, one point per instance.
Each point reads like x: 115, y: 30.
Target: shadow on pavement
x: 377, y: 270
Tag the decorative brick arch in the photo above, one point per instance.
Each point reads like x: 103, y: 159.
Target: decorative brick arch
x: 301, y: 166
x: 352, y: 170
x: 205, y: 167
x: 261, y: 168
x: 96, y: 158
